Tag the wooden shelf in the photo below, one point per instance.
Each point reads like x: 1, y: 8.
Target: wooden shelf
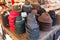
x: 13, y: 34
x: 43, y: 35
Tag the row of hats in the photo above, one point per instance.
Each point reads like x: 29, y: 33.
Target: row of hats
x: 18, y: 7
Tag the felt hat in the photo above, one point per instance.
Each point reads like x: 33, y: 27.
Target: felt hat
x: 16, y: 8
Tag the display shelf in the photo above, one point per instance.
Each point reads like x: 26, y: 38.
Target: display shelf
x: 46, y: 34
x: 43, y: 34
x: 15, y: 36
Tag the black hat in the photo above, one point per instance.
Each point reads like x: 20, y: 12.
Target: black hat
x: 40, y: 11
x: 27, y: 3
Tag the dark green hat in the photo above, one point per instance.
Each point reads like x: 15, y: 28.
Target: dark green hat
x: 17, y: 8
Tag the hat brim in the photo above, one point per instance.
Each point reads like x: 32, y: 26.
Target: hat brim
x: 18, y: 10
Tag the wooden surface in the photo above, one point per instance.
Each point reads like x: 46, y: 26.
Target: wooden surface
x: 13, y: 34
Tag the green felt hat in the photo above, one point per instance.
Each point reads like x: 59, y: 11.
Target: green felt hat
x: 17, y: 8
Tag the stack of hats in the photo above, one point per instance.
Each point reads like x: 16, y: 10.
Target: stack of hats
x: 53, y: 16
x: 32, y: 28
x: 5, y: 18
x: 20, y: 25
x: 12, y: 18
x: 44, y: 20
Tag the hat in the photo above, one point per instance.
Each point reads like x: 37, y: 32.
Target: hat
x: 40, y: 11
x: 16, y: 8
x: 45, y: 17
x: 27, y: 3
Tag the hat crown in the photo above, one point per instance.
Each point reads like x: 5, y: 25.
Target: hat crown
x: 17, y: 8
x: 27, y: 3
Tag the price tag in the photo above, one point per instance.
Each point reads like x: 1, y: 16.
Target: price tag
x: 23, y: 14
